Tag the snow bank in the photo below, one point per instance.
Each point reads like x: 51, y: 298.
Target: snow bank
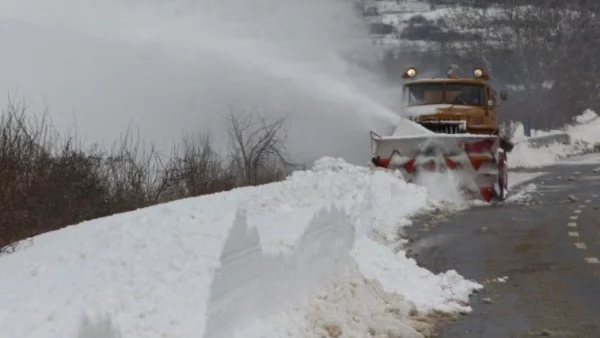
x: 295, y: 258
x: 445, y: 292
x: 585, y: 129
x: 251, y: 285
x: 584, y: 138
x: 519, y: 133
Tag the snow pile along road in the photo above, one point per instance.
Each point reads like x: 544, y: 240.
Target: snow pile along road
x: 299, y: 258
x: 584, y: 138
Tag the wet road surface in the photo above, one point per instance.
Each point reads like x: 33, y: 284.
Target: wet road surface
x: 548, y: 247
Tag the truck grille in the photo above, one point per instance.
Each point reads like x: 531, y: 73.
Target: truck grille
x: 446, y: 127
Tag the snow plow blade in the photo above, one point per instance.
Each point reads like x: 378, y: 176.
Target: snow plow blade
x: 479, y: 158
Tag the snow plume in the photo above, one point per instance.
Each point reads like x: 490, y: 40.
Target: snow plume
x: 297, y: 258
x: 168, y: 67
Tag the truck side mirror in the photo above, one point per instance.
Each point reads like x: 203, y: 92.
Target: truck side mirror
x: 503, y: 95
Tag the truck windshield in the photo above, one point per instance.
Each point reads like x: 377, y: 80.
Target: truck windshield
x: 466, y: 94
x: 425, y: 93
x: 455, y: 93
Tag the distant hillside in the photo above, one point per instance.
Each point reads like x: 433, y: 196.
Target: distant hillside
x: 545, y: 53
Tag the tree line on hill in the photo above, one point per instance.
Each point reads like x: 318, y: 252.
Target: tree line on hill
x: 544, y: 53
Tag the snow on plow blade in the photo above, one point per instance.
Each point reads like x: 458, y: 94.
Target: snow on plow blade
x: 479, y: 158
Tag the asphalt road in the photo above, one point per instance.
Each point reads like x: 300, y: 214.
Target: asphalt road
x: 548, y: 246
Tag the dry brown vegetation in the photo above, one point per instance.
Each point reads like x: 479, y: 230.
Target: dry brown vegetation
x: 48, y: 182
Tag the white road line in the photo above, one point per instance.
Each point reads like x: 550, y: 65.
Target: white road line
x: 572, y: 224
x: 573, y: 217
x: 582, y: 206
x: 573, y: 234
x: 592, y: 260
x: 588, y: 201
x: 577, y: 211
x: 594, y: 195
x: 581, y: 246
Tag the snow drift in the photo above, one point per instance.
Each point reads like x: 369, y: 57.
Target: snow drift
x: 584, y: 136
x: 295, y: 258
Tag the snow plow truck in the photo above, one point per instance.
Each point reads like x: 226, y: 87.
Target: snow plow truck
x: 458, y: 131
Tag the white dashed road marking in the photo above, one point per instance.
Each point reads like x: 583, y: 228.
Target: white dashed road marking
x: 581, y: 245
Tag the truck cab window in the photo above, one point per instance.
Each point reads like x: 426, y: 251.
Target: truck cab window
x: 425, y: 93
x: 465, y: 94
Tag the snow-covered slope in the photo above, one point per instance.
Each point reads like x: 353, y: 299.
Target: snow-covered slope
x: 395, y: 16
x: 290, y: 259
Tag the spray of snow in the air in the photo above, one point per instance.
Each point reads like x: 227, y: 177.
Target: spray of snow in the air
x: 179, y: 66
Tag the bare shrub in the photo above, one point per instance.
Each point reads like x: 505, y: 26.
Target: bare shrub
x: 47, y: 182
x: 196, y: 169
x: 257, y: 148
x: 131, y: 172
x: 42, y: 183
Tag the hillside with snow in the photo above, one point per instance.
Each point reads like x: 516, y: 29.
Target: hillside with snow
x: 392, y: 23
x: 419, y: 26
x: 510, y: 40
